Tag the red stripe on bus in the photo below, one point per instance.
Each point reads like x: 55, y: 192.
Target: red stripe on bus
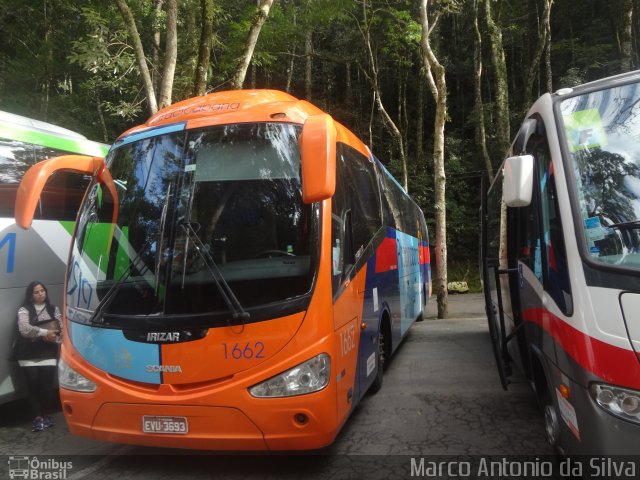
x: 387, y: 255
x: 614, y: 365
x: 425, y: 255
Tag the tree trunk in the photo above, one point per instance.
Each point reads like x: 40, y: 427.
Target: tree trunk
x: 290, y: 68
x: 481, y: 136
x: 103, y: 125
x: 373, y: 79
x: 204, y: 50
x: 547, y: 63
x: 436, y: 80
x: 308, y: 51
x: 170, y: 56
x: 155, y: 55
x: 545, y: 33
x: 420, y: 157
x: 261, y: 16
x: 139, y: 51
x: 626, y: 16
x: 501, y: 86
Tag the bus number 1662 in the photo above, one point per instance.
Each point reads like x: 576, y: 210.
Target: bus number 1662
x: 347, y: 340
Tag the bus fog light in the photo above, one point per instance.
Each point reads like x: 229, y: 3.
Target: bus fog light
x: 310, y: 376
x: 69, y: 379
x: 301, y: 418
x: 620, y: 402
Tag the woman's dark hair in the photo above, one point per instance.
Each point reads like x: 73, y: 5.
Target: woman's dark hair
x: 28, y: 301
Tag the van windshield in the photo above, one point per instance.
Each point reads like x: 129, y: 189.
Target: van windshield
x: 189, y: 217
x: 602, y: 130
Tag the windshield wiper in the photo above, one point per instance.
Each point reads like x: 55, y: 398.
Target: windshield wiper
x: 115, y: 287
x: 631, y: 224
x: 229, y: 298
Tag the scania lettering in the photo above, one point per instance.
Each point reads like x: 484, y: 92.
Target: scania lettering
x: 41, y: 251
x: 561, y: 264
x: 289, y: 260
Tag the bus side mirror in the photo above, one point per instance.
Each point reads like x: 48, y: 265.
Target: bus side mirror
x: 35, y: 179
x: 318, y: 157
x: 518, y: 180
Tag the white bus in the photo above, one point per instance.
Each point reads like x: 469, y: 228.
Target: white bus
x: 561, y: 264
x: 41, y: 252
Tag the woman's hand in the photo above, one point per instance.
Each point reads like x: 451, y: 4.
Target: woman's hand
x: 52, y: 336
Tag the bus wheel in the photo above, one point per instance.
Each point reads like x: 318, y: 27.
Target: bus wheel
x: 382, y: 357
x: 552, y: 425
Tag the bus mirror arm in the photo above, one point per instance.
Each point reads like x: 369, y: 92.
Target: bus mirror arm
x: 318, y: 158
x: 35, y: 180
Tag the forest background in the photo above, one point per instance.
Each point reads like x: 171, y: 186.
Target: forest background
x: 436, y: 88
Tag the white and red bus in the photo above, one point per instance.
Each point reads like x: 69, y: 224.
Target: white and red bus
x: 561, y: 264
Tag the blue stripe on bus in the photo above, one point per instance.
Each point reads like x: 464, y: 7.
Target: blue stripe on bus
x: 111, y: 352
x: 151, y: 132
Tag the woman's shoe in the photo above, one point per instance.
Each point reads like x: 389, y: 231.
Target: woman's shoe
x: 38, y: 424
x: 47, y: 422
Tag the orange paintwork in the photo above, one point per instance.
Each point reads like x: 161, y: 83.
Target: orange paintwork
x: 36, y: 178
x: 219, y: 350
x: 273, y: 417
x: 221, y: 412
x: 347, y: 316
x: 318, y: 140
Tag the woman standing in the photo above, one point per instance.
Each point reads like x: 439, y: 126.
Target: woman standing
x: 39, y: 324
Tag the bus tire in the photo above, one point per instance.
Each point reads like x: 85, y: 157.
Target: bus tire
x: 384, y: 339
x: 545, y: 402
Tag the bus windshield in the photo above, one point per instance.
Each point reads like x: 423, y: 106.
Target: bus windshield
x: 200, y: 215
x: 602, y: 130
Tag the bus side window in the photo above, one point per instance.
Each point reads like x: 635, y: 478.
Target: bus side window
x: 339, y: 208
x: 555, y: 266
x: 355, y: 210
x: 528, y: 246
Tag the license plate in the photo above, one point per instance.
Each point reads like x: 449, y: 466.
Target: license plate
x: 173, y: 425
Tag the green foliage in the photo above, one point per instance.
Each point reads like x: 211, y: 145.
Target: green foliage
x: 65, y: 61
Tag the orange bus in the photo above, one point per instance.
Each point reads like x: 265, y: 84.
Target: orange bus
x: 241, y: 269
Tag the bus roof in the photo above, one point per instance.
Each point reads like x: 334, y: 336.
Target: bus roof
x: 239, y: 106
x: 24, y: 129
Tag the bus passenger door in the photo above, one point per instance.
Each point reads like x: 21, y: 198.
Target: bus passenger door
x: 508, y: 214
x: 493, y: 266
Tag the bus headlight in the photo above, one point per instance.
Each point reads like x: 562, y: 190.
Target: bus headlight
x: 71, y: 380
x: 308, y: 377
x: 620, y: 402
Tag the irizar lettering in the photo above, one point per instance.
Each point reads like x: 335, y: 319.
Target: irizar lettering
x: 163, y: 336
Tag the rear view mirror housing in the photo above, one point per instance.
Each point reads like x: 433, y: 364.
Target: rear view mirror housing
x: 35, y: 179
x: 318, y: 157
x: 518, y: 180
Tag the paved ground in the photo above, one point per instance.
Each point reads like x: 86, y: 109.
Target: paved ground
x: 441, y: 397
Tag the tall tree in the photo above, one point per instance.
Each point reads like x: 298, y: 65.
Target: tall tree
x: 543, y: 38
x: 435, y: 74
x: 372, y: 74
x: 623, y: 22
x: 500, y: 80
x: 481, y: 136
x: 204, y: 50
x: 147, y: 83
x: 261, y: 15
x: 170, y: 55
